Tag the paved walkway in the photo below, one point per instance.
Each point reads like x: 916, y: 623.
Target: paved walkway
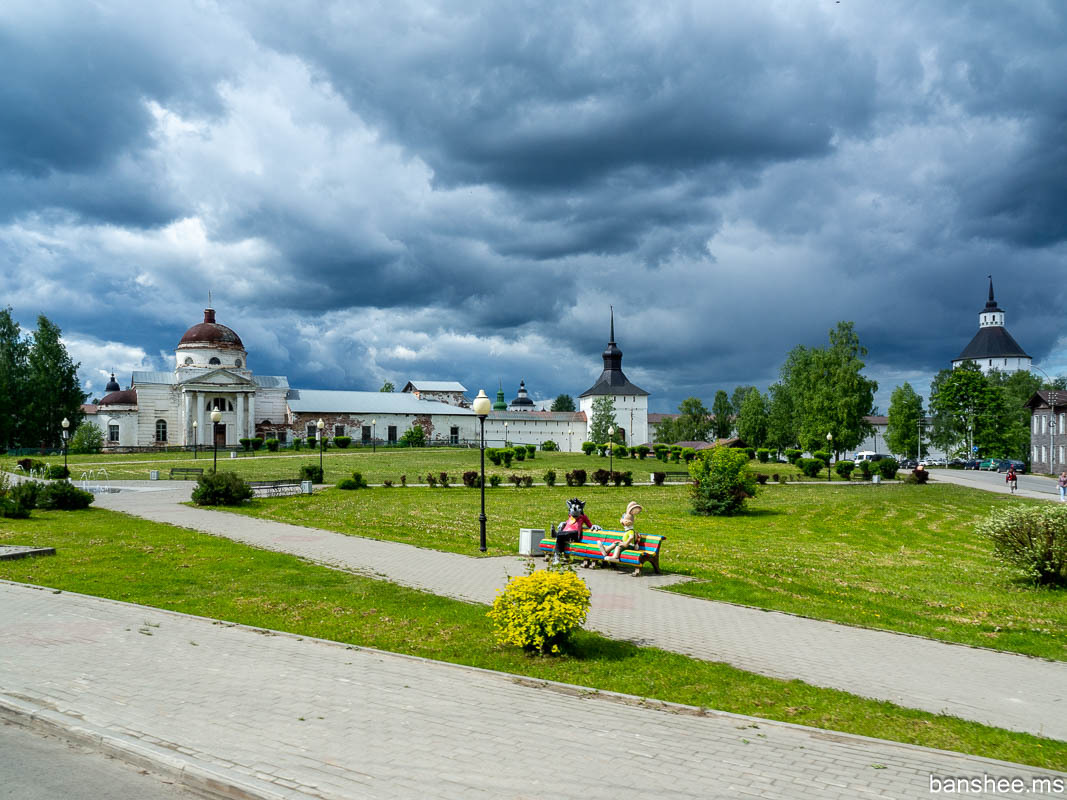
x: 1006, y: 690
x: 273, y: 715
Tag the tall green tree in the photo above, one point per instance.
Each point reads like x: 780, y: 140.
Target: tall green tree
x: 563, y: 402
x: 968, y: 409
x: 1017, y: 388
x: 665, y: 431
x: 722, y: 411
x: 905, y: 412
x: 737, y: 398
x: 752, y: 421
x: 829, y: 392
x: 603, y: 418
x: 781, y: 423
x: 387, y: 387
x: 13, y: 370
x: 53, y: 390
x: 694, y: 422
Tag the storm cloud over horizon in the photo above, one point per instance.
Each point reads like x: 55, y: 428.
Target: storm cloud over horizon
x: 405, y: 190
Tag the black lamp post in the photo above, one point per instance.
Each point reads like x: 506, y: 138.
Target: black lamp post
x: 373, y: 443
x: 481, y: 408
x: 216, y: 415
x: 66, y: 435
x: 195, y: 425
x: 611, y: 448
x: 318, y: 435
x: 829, y: 454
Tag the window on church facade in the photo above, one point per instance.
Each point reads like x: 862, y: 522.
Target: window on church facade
x: 311, y: 431
x: 161, y: 430
x: 1044, y: 424
x: 214, y: 360
x: 237, y: 363
x: 338, y: 430
x: 113, y: 432
x: 219, y: 404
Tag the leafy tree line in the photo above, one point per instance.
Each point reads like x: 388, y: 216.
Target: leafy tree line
x: 38, y: 385
x: 819, y: 391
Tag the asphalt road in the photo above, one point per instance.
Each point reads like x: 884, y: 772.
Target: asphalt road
x: 982, y: 479
x: 36, y: 767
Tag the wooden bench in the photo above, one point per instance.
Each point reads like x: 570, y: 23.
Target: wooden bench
x: 280, y: 488
x: 186, y: 472
x: 589, y: 547
x: 673, y: 476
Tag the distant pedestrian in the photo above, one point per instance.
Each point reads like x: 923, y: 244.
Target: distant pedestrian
x: 1062, y: 482
x: 1012, y: 478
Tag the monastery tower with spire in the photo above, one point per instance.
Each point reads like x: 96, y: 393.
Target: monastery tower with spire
x: 993, y: 348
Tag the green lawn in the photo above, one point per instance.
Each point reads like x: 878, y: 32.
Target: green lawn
x: 113, y: 555
x: 898, y: 557
x: 384, y: 464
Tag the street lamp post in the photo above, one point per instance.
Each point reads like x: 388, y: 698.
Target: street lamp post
x: 373, y: 443
x: 481, y: 409
x: 829, y: 454
x: 66, y: 437
x: 505, y: 434
x: 570, y: 433
x: 216, y: 415
x: 611, y: 448
x: 195, y: 438
x: 919, y: 457
x: 318, y: 435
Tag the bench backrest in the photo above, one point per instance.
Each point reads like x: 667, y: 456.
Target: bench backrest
x: 590, y: 545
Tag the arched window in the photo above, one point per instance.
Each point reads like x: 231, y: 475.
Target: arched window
x: 188, y: 360
x: 214, y: 360
x: 219, y: 404
x: 161, y: 430
x: 237, y: 363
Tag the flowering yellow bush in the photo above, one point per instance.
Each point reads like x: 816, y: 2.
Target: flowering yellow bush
x: 538, y: 611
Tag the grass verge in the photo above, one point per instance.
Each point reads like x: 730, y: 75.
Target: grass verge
x: 895, y: 557
x: 112, y: 555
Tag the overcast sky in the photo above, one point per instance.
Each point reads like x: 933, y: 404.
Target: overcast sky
x: 398, y: 190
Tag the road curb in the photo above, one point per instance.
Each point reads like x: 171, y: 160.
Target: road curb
x: 210, y: 781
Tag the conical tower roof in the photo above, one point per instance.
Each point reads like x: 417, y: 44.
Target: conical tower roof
x: 612, y: 380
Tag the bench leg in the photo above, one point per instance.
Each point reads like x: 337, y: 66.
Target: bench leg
x: 655, y: 563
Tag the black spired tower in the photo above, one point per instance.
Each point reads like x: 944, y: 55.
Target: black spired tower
x: 613, y: 380
x: 993, y: 348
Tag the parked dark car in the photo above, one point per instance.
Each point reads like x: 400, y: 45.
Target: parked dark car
x: 909, y: 463
x: 957, y: 463
x: 1020, y: 467
x: 974, y: 463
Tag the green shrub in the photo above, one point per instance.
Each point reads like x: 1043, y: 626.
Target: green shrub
x: 403, y: 481
x: 444, y: 479
x: 507, y: 454
x: 25, y: 494
x: 811, y: 467
x: 342, y: 441
x: 642, y: 451
x: 602, y: 450
x: 865, y: 469
x: 750, y: 452
x: 32, y: 465
x: 620, y: 451
x: 494, y: 480
x: 431, y: 479
x: 493, y: 454
x: 246, y: 444
x: 360, y: 482
x: 822, y: 455
x: 520, y: 452
x: 576, y: 477
x: 722, y: 481
x: 761, y: 479
x: 601, y: 477
x: 658, y: 478
x: 550, y: 478
x: 844, y: 468
x: 539, y: 611
x: 661, y: 451
x: 347, y: 484
x: 311, y: 472
x: 628, y: 478
x: 531, y: 449
x: 472, y: 479
x: 57, y: 472
x: 63, y: 496
x: 588, y: 448
x: 917, y: 477
x: 272, y: 445
x: 220, y: 489
x: 688, y: 454
x: 1032, y: 538
x: 87, y: 439
x: 413, y: 437
x: 548, y: 446
x: 763, y: 454
x: 297, y: 443
x: 257, y: 443
x: 792, y: 456
x: 887, y: 468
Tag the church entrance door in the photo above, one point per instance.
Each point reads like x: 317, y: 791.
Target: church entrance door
x: 220, y: 435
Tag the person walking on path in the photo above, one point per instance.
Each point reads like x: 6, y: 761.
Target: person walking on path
x: 1012, y: 478
x: 1062, y: 483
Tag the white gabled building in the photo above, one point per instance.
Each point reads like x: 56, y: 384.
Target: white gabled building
x: 993, y: 348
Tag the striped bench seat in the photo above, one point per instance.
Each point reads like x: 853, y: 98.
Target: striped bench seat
x: 589, y: 547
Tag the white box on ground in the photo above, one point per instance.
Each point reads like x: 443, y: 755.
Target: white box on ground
x: 529, y: 539
x: 876, y: 479
x: 153, y: 474
x: 305, y: 487
x: 233, y: 454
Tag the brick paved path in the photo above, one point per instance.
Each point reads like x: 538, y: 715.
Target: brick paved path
x: 1002, y: 689
x: 282, y: 716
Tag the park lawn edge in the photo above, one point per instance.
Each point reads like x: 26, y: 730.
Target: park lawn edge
x: 594, y: 661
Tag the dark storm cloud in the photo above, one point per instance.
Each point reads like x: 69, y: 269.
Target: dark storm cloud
x: 394, y: 190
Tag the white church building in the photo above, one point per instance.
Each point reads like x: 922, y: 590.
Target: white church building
x: 212, y: 373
